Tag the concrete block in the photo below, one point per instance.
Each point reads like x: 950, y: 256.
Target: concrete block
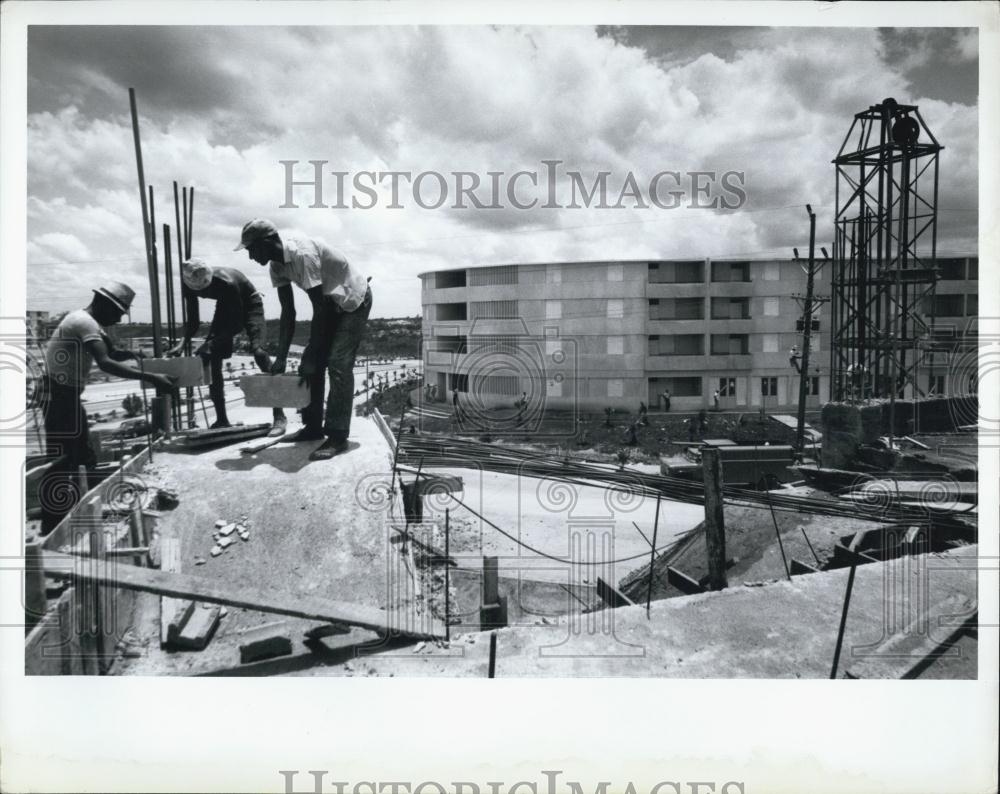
x: 198, y: 629
x: 189, y: 371
x: 265, y: 642
x: 274, y: 391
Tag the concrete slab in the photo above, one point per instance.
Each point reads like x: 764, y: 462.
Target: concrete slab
x: 783, y: 630
x: 317, y: 528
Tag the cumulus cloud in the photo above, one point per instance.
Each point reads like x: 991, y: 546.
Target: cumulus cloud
x: 220, y: 107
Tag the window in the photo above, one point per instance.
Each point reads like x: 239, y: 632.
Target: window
x: 813, y: 344
x: 813, y: 387
x: 949, y: 305
x: 616, y: 308
x: 974, y: 269
x: 490, y: 276
x: 730, y: 271
x: 951, y: 269
x: 553, y: 274
x: 770, y: 343
x: 677, y: 345
x: 971, y: 305
x: 727, y: 387
x: 494, y: 310
x: 771, y: 307
x: 449, y: 279
x: 616, y: 273
x: 458, y: 381
x: 615, y: 387
x: 553, y: 310
x: 677, y: 309
x: 769, y: 387
x: 676, y: 272
x: 937, y: 385
x: 500, y: 384
x: 730, y: 344
x: 448, y: 312
x: 616, y: 345
x: 680, y: 387
x: 730, y: 309
x: 772, y: 271
x: 800, y: 325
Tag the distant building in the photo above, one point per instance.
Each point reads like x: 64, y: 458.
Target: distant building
x: 599, y: 334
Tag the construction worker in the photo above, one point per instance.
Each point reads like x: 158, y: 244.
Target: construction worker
x: 666, y: 400
x: 341, y: 302
x: 793, y: 358
x: 78, y: 342
x: 238, y: 308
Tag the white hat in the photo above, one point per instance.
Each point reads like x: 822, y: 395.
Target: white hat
x: 196, y: 274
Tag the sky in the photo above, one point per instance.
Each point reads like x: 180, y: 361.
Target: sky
x: 221, y: 107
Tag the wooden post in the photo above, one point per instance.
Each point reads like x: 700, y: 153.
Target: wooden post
x: 154, y: 279
x: 189, y: 392
x: 652, y: 556
x: 715, y: 526
x: 35, y: 601
x: 493, y: 655
x: 447, y: 576
x: 806, y: 335
x: 843, y: 623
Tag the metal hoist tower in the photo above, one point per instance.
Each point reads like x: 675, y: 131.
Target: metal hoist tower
x: 885, y: 241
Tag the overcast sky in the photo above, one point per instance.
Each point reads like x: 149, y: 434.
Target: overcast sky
x: 220, y: 107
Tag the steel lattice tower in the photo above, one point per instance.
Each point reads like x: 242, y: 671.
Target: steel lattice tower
x: 883, y: 284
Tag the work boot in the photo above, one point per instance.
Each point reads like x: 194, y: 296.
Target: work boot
x: 329, y: 449
x: 306, y: 434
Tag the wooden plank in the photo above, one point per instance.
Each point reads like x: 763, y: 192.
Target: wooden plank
x: 612, y: 597
x: 798, y: 567
x: 274, y: 391
x: 71, y: 663
x: 63, y: 534
x: 198, y: 588
x: 683, y: 582
x: 226, y: 436
x: 173, y: 611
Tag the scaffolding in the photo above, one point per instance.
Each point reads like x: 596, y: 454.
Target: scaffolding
x: 884, y: 276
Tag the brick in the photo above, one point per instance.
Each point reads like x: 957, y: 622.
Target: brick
x: 265, y: 642
x: 189, y: 371
x: 197, y: 630
x: 274, y: 391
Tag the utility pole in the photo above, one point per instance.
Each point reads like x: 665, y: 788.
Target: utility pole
x: 806, y: 333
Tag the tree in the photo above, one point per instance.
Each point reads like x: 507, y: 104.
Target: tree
x: 132, y: 405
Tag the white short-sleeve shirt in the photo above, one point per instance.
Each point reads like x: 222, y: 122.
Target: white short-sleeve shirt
x: 67, y: 360
x: 310, y: 262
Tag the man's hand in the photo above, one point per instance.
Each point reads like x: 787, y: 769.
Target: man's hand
x: 175, y: 351
x: 278, y: 367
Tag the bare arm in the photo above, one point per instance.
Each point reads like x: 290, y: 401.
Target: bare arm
x: 99, y: 350
x: 286, y: 327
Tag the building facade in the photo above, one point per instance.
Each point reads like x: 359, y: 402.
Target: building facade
x: 591, y: 335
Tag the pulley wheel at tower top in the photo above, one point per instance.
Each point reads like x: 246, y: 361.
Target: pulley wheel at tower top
x: 906, y: 130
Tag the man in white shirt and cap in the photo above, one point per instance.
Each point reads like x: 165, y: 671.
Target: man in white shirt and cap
x: 76, y: 345
x: 341, y: 302
x: 239, y: 308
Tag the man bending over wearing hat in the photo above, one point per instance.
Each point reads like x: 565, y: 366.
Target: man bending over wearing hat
x: 77, y: 343
x: 341, y: 302
x: 238, y: 307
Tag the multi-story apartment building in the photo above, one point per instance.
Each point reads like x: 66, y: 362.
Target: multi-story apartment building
x: 599, y: 334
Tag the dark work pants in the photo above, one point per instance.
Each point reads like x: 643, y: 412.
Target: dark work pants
x: 66, y: 435
x: 340, y: 338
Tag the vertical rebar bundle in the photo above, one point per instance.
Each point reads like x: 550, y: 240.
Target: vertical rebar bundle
x: 885, y: 241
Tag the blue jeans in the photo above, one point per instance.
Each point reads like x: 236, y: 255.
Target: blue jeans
x: 341, y: 336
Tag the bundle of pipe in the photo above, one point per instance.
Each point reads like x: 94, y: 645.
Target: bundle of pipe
x: 431, y: 451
